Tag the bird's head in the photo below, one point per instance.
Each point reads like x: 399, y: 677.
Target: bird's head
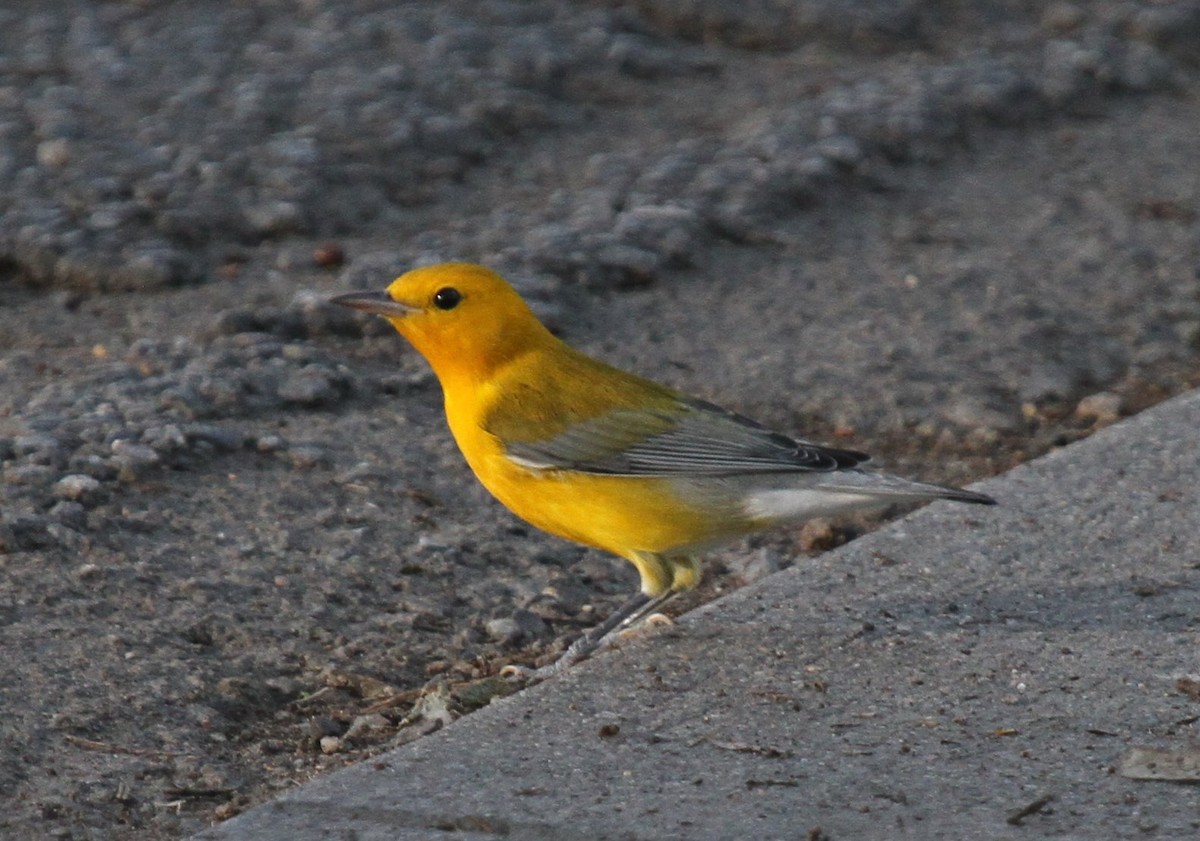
x: 464, y: 319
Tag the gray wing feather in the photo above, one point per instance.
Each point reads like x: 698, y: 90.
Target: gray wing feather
x: 697, y: 439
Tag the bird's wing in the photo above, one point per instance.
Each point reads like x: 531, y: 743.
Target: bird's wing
x: 691, y: 438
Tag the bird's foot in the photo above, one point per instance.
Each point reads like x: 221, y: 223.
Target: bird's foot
x: 583, y: 648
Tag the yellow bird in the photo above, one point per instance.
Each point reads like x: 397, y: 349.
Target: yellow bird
x: 605, y: 458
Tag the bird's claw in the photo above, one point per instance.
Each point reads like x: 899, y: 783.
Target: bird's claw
x: 582, y: 649
x: 517, y: 674
x: 528, y: 676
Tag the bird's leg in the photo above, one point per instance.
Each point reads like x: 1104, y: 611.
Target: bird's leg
x: 627, y: 615
x: 601, y: 636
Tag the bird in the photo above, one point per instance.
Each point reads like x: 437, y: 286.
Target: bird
x: 608, y: 459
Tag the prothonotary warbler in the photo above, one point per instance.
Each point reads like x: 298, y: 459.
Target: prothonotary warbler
x: 603, y: 457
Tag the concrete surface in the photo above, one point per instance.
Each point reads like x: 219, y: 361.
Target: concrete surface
x: 927, y: 681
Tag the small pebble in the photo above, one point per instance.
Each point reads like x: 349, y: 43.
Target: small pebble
x: 133, y: 461
x: 1102, y: 408
x: 28, y: 474
x: 667, y: 230
x: 819, y: 535
x: 269, y: 444
x: 364, y: 727
x: 310, y: 387
x: 222, y: 439
x: 308, y: 456
x: 36, y: 445
x: 54, y: 154
x: 331, y: 255
x: 70, y: 514
x: 631, y: 266
x: 759, y: 563
x: 504, y: 629
x: 1061, y: 18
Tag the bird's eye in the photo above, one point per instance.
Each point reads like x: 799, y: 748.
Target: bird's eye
x: 447, y: 298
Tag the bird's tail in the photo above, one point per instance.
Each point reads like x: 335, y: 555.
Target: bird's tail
x: 841, y: 491
x: 882, y: 485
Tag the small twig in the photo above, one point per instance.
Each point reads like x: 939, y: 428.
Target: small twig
x: 743, y: 747
x: 405, y: 697
x: 197, y: 793
x: 313, y: 697
x: 752, y: 784
x: 105, y: 747
x: 1032, y: 809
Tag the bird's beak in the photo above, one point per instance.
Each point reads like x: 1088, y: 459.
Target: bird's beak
x: 380, y: 303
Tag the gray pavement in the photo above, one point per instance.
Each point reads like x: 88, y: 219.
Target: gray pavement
x: 926, y: 681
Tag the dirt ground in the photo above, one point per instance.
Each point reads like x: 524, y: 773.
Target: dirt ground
x: 236, y: 540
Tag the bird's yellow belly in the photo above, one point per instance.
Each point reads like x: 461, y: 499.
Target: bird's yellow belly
x: 622, y: 515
